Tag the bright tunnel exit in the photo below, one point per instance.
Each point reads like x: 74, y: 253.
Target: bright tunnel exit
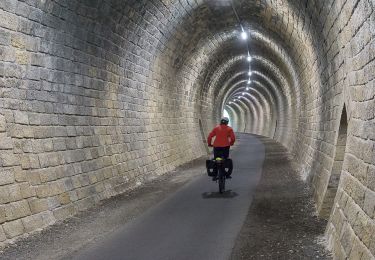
x: 226, y: 114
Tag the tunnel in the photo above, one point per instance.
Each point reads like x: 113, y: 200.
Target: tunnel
x: 98, y: 96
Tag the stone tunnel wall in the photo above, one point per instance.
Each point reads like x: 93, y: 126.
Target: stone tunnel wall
x: 346, y: 78
x: 89, y: 106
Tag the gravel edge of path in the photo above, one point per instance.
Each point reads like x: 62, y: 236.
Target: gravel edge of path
x: 281, y: 222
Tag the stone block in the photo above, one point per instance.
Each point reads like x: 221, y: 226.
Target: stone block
x: 14, y: 228
x: 2, y: 234
x: 347, y: 238
x: 7, y: 54
x: 47, y: 145
x: 369, y: 204
x: 6, y: 176
x: 4, y: 37
x: 368, y: 233
x: 38, y: 205
x: 5, y: 142
x: 34, y: 222
x: 8, y: 158
x: 22, y: 57
x: 4, y: 191
x: 2, y: 214
x: 17, y: 210
x: 19, y: 174
x: 53, y: 202
x: 76, y: 182
x: 357, y: 249
x: 48, y: 217
x: 33, y: 176
x: 370, y: 180
x: 59, y: 145
x: 43, y: 159
x: 360, y: 223
x: 64, y: 198
x: 25, y: 162
x: 50, y: 160
x: 359, y: 194
x: 27, y: 191
x: 14, y: 192
x: 339, y: 250
x: 43, y: 191
x: 34, y: 161
x: 2, y: 124
x: 73, y: 196
x: 47, y: 175
x: 85, y: 203
x: 68, y: 184
x: 34, y: 119
x: 18, y: 41
x: 21, y: 117
x: 56, y: 187
x: 71, y: 144
x: 64, y: 212
x: 367, y: 255
x: 372, y: 245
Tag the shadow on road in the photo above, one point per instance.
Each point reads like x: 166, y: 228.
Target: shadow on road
x: 216, y: 195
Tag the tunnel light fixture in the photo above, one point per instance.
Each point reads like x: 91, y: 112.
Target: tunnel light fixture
x: 243, y: 35
x: 249, y: 73
x: 248, y: 82
x: 247, y: 88
x: 243, y: 93
x: 248, y: 58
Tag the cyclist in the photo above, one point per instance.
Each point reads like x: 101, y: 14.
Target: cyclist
x: 224, y: 139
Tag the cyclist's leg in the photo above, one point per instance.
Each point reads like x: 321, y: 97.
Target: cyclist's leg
x: 226, y: 152
x: 217, y: 153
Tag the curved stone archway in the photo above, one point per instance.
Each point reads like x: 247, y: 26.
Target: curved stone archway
x: 96, y: 97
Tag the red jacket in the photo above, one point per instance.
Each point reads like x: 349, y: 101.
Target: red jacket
x: 224, y: 136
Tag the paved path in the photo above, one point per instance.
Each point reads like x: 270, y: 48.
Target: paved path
x: 193, y: 223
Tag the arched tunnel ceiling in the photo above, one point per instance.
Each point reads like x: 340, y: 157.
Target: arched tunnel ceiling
x: 215, y: 48
x: 113, y: 85
x: 200, y: 44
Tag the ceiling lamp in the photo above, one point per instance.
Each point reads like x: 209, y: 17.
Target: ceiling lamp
x: 244, y: 35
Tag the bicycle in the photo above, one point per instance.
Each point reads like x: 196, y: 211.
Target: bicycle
x: 221, y: 174
x: 216, y: 168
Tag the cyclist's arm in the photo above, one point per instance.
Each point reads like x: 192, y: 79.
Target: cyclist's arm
x: 210, y: 136
x: 232, y: 137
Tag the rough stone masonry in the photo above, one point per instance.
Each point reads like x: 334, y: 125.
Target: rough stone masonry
x: 97, y: 96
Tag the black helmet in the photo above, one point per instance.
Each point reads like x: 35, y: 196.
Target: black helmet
x: 224, y: 120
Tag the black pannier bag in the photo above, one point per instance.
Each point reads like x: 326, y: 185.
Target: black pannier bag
x: 228, y: 165
x: 211, y: 168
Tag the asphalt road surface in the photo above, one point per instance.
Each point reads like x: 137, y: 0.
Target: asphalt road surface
x: 196, y: 222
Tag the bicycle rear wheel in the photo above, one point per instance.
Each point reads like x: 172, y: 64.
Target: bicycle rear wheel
x: 221, y: 180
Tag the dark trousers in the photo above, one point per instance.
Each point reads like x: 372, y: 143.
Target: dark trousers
x: 221, y: 152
